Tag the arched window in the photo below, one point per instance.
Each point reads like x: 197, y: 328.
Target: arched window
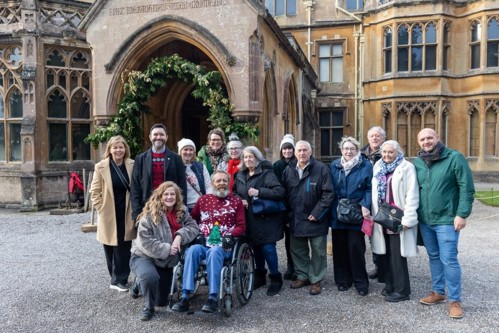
x: 68, y: 80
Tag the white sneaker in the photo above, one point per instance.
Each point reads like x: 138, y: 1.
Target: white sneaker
x: 119, y: 286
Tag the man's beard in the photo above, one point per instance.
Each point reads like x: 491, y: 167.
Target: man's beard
x: 221, y: 193
x: 158, y: 144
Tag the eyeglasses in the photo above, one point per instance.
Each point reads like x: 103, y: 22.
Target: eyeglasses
x: 349, y: 149
x: 235, y: 148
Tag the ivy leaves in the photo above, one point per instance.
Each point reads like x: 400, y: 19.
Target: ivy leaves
x: 140, y: 86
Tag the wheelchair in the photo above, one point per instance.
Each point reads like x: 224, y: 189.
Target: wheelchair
x: 237, y: 276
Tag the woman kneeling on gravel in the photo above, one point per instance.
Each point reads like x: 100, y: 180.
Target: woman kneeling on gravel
x: 164, y: 227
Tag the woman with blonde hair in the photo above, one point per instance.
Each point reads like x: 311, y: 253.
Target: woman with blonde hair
x: 110, y: 195
x: 164, y: 227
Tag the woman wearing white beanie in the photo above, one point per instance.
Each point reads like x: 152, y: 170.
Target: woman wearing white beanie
x: 196, y: 174
x: 287, y: 154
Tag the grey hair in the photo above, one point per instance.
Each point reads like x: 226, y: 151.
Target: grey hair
x: 253, y: 150
x: 377, y: 129
x: 350, y: 139
x: 394, y: 144
x: 303, y: 142
x: 230, y: 143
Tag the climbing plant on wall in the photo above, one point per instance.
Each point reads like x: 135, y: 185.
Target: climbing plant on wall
x: 139, y: 86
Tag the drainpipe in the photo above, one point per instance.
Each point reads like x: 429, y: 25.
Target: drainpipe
x: 309, y: 4
x: 359, y: 64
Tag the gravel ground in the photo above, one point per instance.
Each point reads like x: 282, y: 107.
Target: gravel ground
x: 54, y: 279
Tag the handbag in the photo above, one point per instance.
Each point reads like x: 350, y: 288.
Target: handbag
x: 389, y: 216
x: 266, y: 206
x: 349, y: 212
x: 367, y: 227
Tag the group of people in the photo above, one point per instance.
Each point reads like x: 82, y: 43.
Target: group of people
x: 165, y: 201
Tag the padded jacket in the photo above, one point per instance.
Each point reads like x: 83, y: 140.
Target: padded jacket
x: 310, y: 195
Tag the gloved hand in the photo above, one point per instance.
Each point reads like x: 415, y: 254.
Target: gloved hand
x: 200, y: 239
x: 228, y: 242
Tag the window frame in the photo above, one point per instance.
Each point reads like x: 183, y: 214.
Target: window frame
x: 286, y: 8
x: 334, y: 150
x: 423, y: 45
x: 10, y: 82
x: 494, y: 41
x: 69, y: 79
x: 331, y: 57
x: 475, y: 44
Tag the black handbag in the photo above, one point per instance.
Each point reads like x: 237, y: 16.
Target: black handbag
x: 390, y: 217
x: 266, y: 206
x: 349, y: 212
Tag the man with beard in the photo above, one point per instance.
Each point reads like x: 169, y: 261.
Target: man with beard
x: 446, y: 192
x: 153, y: 167
x: 220, y: 217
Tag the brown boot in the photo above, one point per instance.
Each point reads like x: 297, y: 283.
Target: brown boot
x: 455, y: 310
x: 432, y: 298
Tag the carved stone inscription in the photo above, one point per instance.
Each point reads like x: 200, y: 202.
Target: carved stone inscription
x: 166, y: 5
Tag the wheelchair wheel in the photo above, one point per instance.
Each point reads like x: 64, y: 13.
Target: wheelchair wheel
x: 227, y: 305
x: 245, y: 273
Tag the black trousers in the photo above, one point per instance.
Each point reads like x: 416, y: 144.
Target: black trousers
x: 155, y: 282
x: 287, y: 245
x: 118, y: 261
x: 393, y: 267
x: 349, y: 262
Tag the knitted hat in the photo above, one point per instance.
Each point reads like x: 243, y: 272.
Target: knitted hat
x: 185, y: 142
x: 288, y: 138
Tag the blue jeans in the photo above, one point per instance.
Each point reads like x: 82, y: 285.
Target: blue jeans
x: 266, y: 253
x: 441, y: 243
x: 214, y: 256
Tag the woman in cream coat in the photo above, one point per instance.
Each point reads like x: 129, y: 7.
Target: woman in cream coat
x: 394, y: 180
x: 110, y: 195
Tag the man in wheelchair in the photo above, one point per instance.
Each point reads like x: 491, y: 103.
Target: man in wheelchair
x: 220, y: 218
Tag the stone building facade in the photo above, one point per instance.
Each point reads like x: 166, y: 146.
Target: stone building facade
x: 318, y: 69
x: 62, y: 63
x: 404, y: 65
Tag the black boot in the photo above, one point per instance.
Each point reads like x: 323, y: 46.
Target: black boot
x: 260, y: 278
x: 275, y: 284
x: 290, y: 272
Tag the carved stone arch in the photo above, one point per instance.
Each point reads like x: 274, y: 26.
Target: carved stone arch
x: 138, y: 48
x: 269, y: 104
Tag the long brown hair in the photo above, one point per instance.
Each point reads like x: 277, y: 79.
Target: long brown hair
x: 155, y: 206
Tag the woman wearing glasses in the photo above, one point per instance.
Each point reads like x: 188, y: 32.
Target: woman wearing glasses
x: 213, y: 153
x: 352, y: 175
x: 235, y: 149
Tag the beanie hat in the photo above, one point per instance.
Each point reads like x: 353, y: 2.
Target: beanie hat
x: 288, y: 138
x: 185, y: 142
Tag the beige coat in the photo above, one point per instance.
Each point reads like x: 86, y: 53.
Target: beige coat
x: 102, y: 196
x: 406, y: 196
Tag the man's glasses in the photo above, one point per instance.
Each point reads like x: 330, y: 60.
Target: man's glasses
x: 235, y: 148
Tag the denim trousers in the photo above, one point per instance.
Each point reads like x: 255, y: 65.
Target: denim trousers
x: 266, y: 253
x: 441, y: 243
x: 214, y: 257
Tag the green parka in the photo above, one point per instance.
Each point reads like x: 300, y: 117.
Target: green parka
x: 446, y: 188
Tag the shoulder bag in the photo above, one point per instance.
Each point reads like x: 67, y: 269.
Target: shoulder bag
x: 389, y: 215
x: 349, y: 212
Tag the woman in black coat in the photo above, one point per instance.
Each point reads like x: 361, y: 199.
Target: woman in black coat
x: 287, y: 156
x: 256, y: 178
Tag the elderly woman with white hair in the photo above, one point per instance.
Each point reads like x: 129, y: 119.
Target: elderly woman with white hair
x: 256, y: 178
x: 395, y: 182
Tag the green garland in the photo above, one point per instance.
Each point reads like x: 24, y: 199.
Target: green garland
x: 140, y: 86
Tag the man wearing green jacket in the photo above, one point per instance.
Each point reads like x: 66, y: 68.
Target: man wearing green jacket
x: 446, y: 197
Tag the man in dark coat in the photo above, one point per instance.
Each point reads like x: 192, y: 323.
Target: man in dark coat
x: 153, y: 167
x: 310, y: 193
x: 375, y: 138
